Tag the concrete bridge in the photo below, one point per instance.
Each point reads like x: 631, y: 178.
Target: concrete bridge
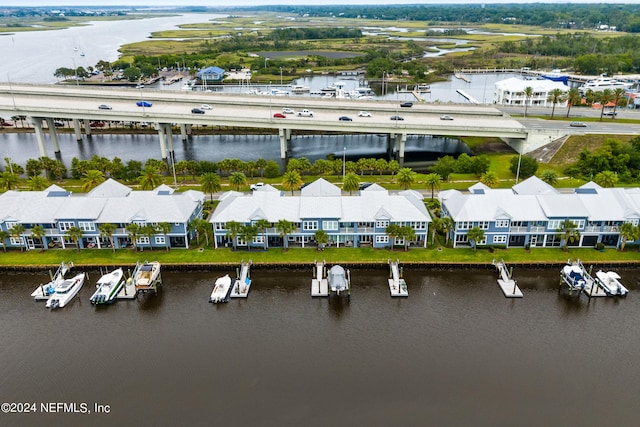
x: 80, y: 104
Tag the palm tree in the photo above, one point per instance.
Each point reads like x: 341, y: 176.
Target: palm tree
x: 408, y: 234
x: 38, y: 232
x: 133, y: 230
x: 475, y: 235
x: 16, y: 232
x: 351, y: 182
x: 393, y: 166
x: 285, y: 228
x: 233, y: 229
x: 75, y: 234
x: 606, y: 179
x: 322, y: 238
x: 261, y: 164
x: 248, y: 232
x: 107, y: 230
x: 447, y: 225
x: 618, y: 94
x: 291, y: 180
x: 628, y: 232
x: 3, y: 239
x: 200, y: 226
x: 393, y: 231
x: 490, y: 179
x: 263, y: 224
x: 406, y: 177
x: 165, y: 228
x: 555, y: 97
x: 37, y: 183
x: 550, y: 177
x: 150, y: 178
x: 436, y: 224
x: 573, y: 98
x: 8, y: 181
x: 237, y: 179
x: 210, y: 182
x: 148, y: 231
x: 91, y: 179
x: 528, y: 93
x: 381, y: 165
x: 569, y: 233
x: 605, y: 97
x: 433, y: 180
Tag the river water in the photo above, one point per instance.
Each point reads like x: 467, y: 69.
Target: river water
x: 454, y: 353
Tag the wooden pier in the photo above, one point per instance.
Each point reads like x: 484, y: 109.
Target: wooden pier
x: 397, y: 285
x: 507, y: 284
x: 319, y: 283
x: 241, y: 286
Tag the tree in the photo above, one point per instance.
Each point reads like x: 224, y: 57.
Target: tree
x: 573, y: 98
x: 91, y: 179
x: 107, y: 229
x: 408, y: 234
x: 285, y: 228
x: 381, y: 165
x: 393, y: 231
x: 248, y: 232
x: 133, y: 230
x: 263, y: 224
x: 38, y: 232
x: 37, y: 183
x: 148, y: 231
x: 322, y: 238
x: 165, y: 228
x: 75, y: 234
x: 8, y: 181
x: 475, y: 235
x: 528, y: 166
x: 351, y: 182
x: 393, y: 166
x: 549, y: 176
x: 291, y: 180
x: 150, y: 178
x: 569, y: 233
x: 528, y: 93
x: 605, y: 97
x: 433, y: 181
x: 490, y: 179
x: 3, y: 239
x: 618, y: 94
x: 444, y: 167
x: 233, y: 229
x: 447, y: 225
x: 16, y: 232
x: 628, y: 232
x: 210, y: 182
x: 606, y: 179
x: 261, y: 164
x: 436, y: 225
x: 237, y: 179
x: 406, y: 178
x: 555, y: 97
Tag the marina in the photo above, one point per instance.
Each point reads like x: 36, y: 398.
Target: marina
x: 508, y: 286
x: 397, y: 284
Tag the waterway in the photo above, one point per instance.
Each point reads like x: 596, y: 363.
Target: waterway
x: 454, y: 353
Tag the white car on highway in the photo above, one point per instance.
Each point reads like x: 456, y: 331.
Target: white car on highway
x: 364, y: 114
x: 206, y: 107
x: 287, y: 111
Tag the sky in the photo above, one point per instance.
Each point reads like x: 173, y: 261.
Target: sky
x: 165, y: 3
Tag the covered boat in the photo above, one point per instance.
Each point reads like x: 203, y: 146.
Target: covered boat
x: 339, y: 280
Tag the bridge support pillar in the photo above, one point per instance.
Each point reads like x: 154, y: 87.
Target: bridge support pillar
x: 183, y: 132
x: 391, y: 146
x: 401, y: 141
x: 285, y: 137
x: 37, y: 125
x: 169, y: 133
x: 87, y: 127
x: 161, y: 138
x: 53, y: 135
x: 77, y: 129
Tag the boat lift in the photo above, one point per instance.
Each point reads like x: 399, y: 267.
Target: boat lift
x: 242, y: 284
x: 397, y: 285
x: 507, y: 284
x: 44, y: 291
x: 319, y: 283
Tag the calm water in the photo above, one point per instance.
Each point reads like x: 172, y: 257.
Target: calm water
x: 455, y: 353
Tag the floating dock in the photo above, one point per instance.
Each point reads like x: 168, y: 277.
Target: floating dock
x: 242, y: 284
x: 128, y: 291
x: 507, y: 284
x: 397, y: 285
x: 468, y: 97
x: 319, y: 283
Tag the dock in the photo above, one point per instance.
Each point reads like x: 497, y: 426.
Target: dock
x: 468, y: 97
x: 462, y: 77
x: 128, y: 291
x: 507, y: 284
x: 319, y: 283
x: 397, y: 285
x: 242, y: 284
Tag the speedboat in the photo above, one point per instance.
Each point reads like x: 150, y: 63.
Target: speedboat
x: 108, y: 286
x: 65, y: 292
x: 610, y: 282
x: 574, y: 277
x: 300, y: 89
x: 221, y: 290
x: 45, y: 290
x: 602, y: 83
x: 338, y: 280
x: 146, y: 275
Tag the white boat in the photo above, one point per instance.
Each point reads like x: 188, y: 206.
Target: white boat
x: 65, y: 292
x: 146, y: 276
x: 300, y: 89
x: 45, y: 290
x: 602, y: 83
x: 221, y: 290
x: 339, y: 280
x: 574, y: 277
x: 107, y: 287
x: 610, y: 282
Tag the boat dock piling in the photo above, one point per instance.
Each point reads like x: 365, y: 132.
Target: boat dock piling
x: 241, y: 286
x: 397, y: 285
x: 319, y: 283
x: 591, y: 288
x: 507, y: 284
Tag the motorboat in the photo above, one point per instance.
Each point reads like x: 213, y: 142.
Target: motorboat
x: 65, y: 292
x: 107, y: 287
x: 300, y: 89
x: 146, y: 276
x: 556, y: 75
x: 221, y: 290
x: 610, y: 282
x: 339, y: 280
x: 602, y: 83
x: 45, y: 290
x: 573, y: 275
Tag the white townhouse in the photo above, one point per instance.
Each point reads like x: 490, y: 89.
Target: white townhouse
x: 511, y: 92
x: 56, y: 210
x: 349, y: 220
x: 530, y: 213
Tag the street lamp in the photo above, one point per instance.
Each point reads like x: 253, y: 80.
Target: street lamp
x: 280, y: 76
x: 265, y: 61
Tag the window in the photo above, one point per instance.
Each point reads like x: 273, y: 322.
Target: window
x: 159, y: 240
x: 634, y: 222
x: 483, y: 225
x: 65, y: 225
x: 382, y: 224
x: 554, y: 224
x: 15, y: 241
x: 500, y: 239
x: 10, y: 224
x: 143, y: 240
x: 329, y: 225
x: 579, y: 223
x: 399, y: 241
x: 258, y: 240
x: 310, y: 225
x: 86, y: 226
x: 382, y: 239
x: 219, y: 226
x: 464, y: 225
x: 140, y: 223
x: 504, y: 223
